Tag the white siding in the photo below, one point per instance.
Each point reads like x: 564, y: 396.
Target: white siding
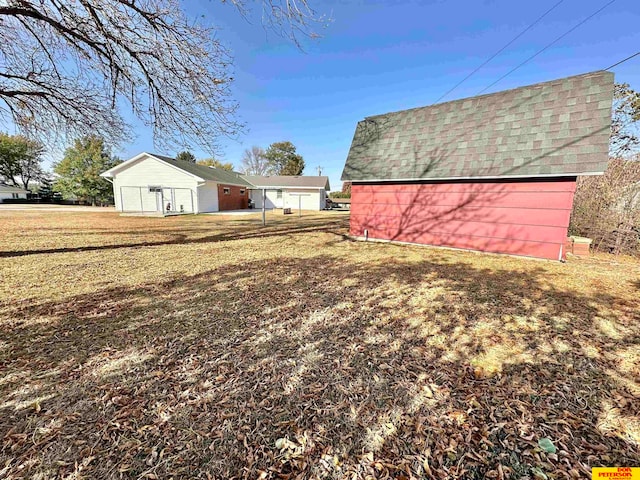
x: 181, y: 200
x: 208, y: 197
x: 151, y: 172
x: 5, y: 195
x: 272, y: 199
x: 309, y: 199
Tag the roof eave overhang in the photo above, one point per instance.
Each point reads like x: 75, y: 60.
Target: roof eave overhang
x: 487, y: 177
x: 243, y: 185
x: 260, y: 187
x: 13, y: 190
x: 110, y: 173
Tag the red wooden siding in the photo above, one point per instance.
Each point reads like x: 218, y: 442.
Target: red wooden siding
x: 234, y: 200
x: 522, y: 218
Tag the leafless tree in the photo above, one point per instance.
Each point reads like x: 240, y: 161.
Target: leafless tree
x: 66, y: 68
x: 607, y: 208
x: 625, y: 135
x: 254, y: 162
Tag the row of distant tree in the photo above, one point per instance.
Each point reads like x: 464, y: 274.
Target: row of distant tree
x: 280, y: 158
x: 77, y: 175
x: 187, y: 156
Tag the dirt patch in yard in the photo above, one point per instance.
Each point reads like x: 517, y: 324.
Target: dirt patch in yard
x: 200, y: 347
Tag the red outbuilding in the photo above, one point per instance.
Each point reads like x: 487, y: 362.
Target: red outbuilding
x: 495, y: 173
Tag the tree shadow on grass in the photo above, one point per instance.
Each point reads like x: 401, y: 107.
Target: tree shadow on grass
x: 197, y: 235
x: 431, y: 368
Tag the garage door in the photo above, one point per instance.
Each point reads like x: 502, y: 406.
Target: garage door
x: 156, y: 199
x: 139, y: 199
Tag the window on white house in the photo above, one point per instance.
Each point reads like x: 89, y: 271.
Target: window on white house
x: 279, y: 194
x: 226, y: 191
x: 155, y: 189
x: 15, y: 195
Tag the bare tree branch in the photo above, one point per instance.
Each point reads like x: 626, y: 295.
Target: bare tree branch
x: 625, y: 136
x: 66, y: 68
x: 254, y: 162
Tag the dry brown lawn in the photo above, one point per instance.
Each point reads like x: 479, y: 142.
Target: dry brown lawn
x: 209, y: 347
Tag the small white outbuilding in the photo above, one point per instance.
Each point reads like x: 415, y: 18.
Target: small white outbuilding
x: 285, y: 191
x: 156, y: 184
x: 151, y: 183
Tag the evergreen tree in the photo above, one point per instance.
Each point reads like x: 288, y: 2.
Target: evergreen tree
x: 186, y: 156
x: 45, y: 190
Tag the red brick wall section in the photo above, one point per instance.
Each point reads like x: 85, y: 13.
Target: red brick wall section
x: 522, y: 218
x: 234, y: 200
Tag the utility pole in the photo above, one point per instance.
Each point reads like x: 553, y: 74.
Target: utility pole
x: 319, y: 170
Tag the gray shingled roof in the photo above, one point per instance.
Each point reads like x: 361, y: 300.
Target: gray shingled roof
x: 299, y: 181
x: 208, y: 173
x: 4, y: 188
x: 559, y: 128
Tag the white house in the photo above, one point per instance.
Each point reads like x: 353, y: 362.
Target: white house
x: 283, y: 191
x: 9, y: 192
x: 151, y: 183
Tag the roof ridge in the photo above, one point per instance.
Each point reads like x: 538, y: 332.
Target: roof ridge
x: 205, y: 172
x: 500, y: 92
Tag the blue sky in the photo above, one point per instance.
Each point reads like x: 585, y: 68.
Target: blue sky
x: 381, y: 56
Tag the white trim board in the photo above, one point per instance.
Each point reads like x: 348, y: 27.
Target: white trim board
x: 488, y: 177
x: 285, y: 188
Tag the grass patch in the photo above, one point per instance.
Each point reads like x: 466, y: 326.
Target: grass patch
x: 208, y: 347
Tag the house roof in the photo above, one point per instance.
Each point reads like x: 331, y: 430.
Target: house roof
x: 219, y: 175
x: 289, y: 181
x: 201, y: 172
x: 556, y: 128
x: 4, y: 188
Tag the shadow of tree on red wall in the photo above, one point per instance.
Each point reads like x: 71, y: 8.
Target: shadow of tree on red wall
x: 466, y: 213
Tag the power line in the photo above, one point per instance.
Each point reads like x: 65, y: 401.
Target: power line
x: 500, y: 51
x: 622, y: 61
x: 546, y: 47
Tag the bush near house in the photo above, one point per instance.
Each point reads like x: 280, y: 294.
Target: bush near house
x: 340, y: 195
